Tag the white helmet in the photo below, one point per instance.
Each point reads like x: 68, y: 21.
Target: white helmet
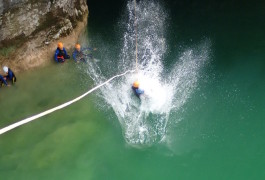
x: 5, y: 69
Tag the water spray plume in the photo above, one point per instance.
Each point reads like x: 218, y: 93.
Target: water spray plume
x: 145, y: 121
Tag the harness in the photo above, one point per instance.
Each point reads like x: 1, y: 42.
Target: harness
x: 61, y: 55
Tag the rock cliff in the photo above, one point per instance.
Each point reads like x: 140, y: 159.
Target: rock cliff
x: 30, y: 29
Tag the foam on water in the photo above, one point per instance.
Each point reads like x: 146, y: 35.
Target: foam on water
x: 145, y: 121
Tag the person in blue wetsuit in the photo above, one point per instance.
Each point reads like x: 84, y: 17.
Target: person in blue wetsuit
x: 60, y: 54
x: 9, y: 74
x: 80, y: 55
x: 2, y: 81
x: 137, y: 91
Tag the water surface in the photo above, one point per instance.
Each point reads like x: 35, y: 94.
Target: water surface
x: 218, y: 133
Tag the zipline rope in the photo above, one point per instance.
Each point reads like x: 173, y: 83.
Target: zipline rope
x: 27, y: 120
x: 136, y: 48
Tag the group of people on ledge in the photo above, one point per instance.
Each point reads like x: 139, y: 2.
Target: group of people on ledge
x: 60, y: 56
x: 8, y: 77
x: 79, y: 54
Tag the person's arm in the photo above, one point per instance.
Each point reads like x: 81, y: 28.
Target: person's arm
x: 74, y: 55
x: 65, y: 52
x: 5, y: 82
x: 139, y: 91
x: 55, y: 55
x: 90, y: 55
x: 10, y: 74
x: 66, y: 55
x: 90, y: 49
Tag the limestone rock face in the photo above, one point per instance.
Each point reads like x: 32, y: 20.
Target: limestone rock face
x: 24, y: 17
x: 24, y: 21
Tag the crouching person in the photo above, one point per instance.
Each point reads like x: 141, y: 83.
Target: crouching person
x: 10, y: 76
x: 60, y: 54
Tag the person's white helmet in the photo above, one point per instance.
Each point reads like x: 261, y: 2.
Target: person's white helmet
x: 5, y: 69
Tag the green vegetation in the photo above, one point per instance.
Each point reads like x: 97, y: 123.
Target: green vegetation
x: 6, y: 51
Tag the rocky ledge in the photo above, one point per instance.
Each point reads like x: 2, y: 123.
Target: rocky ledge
x: 30, y: 29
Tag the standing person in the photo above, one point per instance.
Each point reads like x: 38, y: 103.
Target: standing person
x: 80, y: 55
x: 60, y: 54
x: 9, y: 75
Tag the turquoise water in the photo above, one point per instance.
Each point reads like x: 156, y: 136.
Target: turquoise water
x: 218, y: 133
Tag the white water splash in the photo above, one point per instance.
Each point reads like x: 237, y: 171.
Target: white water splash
x: 144, y: 122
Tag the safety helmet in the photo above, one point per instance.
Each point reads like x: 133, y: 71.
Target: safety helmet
x: 136, y: 84
x: 5, y: 69
x: 77, y: 46
x: 60, y: 45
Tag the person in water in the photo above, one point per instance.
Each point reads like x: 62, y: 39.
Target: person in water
x: 137, y: 91
x: 2, y: 81
x: 60, y: 54
x: 9, y: 75
x: 80, y: 55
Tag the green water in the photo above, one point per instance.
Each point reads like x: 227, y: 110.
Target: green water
x: 220, y: 134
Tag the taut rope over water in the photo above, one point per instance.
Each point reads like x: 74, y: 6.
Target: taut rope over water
x: 27, y: 120
x: 136, y: 48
